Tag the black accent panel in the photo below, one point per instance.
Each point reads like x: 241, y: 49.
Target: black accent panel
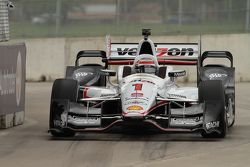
x: 215, y: 65
x: 225, y: 74
x: 177, y: 73
x: 111, y: 107
x: 88, y: 75
x: 126, y: 71
x: 146, y: 48
x: 162, y: 72
x: 216, y: 54
x: 91, y: 53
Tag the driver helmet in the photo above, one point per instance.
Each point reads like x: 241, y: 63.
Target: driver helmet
x: 146, y: 68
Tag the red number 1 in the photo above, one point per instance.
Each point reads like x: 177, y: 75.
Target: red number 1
x: 138, y: 87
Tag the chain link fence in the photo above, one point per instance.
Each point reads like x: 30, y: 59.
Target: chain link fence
x: 80, y: 18
x: 4, y: 21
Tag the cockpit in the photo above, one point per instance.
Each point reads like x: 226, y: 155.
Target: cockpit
x: 146, y: 61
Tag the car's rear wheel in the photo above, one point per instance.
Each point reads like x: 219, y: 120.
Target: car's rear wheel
x: 231, y: 110
x: 62, y: 90
x: 213, y: 90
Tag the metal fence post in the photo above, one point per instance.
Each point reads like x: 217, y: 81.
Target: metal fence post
x: 118, y: 12
x: 247, y: 15
x: 180, y: 14
x: 58, y: 16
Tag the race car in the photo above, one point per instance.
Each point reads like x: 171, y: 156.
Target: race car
x: 146, y: 92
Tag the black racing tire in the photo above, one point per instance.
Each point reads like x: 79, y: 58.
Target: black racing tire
x: 214, y: 90
x: 211, y: 90
x: 223, y: 127
x: 63, y: 89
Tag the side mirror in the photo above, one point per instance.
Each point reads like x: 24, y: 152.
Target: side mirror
x: 108, y: 72
x: 177, y: 73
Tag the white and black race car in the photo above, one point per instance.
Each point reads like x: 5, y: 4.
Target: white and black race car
x: 146, y: 92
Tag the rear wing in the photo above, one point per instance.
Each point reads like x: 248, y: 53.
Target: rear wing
x: 167, y: 53
x: 91, y: 53
x: 217, y: 54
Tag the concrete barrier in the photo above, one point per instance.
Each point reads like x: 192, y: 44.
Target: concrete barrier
x: 12, y: 84
x: 47, y: 58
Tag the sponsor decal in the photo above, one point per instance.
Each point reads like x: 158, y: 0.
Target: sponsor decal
x: 185, y: 51
x: 82, y: 74
x: 18, y: 78
x: 12, y: 76
x: 129, y: 51
x: 179, y: 74
x: 216, y: 75
x: 183, y: 121
x: 85, y: 120
x: 57, y: 123
x: 135, y: 107
x: 107, y: 95
x: 213, y: 124
x: 176, y: 96
x: 134, y: 98
x: 137, y: 95
x: 135, y: 102
x: 141, y: 80
x: 175, y: 51
x: 138, y: 86
x: 7, y: 81
x: 63, y: 119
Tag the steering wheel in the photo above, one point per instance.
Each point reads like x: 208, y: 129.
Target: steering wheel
x: 145, y: 57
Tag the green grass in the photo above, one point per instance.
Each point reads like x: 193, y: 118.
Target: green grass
x: 28, y: 30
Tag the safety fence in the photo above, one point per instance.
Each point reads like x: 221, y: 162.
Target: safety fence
x: 81, y: 18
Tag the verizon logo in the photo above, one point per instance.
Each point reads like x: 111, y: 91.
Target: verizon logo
x: 160, y: 51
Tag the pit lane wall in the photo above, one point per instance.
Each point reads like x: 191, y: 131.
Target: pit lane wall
x: 12, y: 84
x: 47, y: 58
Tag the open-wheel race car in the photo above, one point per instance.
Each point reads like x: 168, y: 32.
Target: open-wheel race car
x: 146, y: 92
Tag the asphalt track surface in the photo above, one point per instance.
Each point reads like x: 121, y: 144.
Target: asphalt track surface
x: 30, y: 145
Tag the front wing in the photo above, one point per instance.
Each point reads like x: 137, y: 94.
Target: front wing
x: 172, y: 115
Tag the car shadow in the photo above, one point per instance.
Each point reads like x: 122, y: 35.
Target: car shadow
x: 137, y: 134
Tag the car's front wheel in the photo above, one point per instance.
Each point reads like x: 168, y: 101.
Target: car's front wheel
x: 212, y: 95
x: 63, y: 91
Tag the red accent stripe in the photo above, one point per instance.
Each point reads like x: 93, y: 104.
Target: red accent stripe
x: 161, y: 62
x: 85, y: 91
